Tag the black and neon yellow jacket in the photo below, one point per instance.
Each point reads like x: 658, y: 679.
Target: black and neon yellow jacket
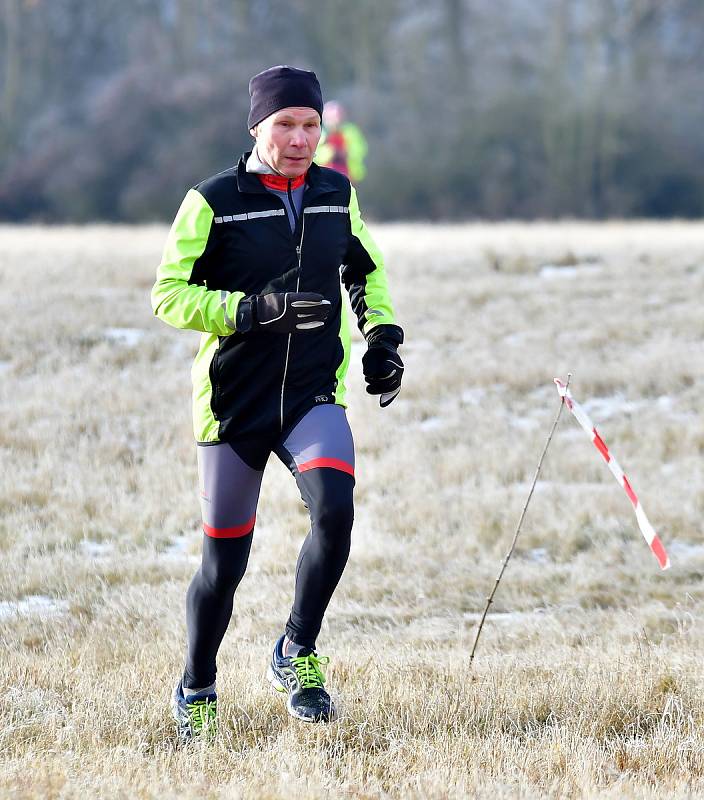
x: 231, y: 238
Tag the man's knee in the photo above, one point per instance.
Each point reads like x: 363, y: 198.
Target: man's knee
x: 333, y: 511
x: 224, y: 562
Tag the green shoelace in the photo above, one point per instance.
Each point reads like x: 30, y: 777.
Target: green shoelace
x: 202, y: 715
x: 308, y: 670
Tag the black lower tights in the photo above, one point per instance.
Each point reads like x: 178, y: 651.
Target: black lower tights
x: 322, y: 559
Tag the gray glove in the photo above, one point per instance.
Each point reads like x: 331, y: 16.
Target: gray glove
x: 282, y: 312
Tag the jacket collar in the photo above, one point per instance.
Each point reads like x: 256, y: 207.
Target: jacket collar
x: 280, y: 184
x: 271, y: 179
x: 249, y: 183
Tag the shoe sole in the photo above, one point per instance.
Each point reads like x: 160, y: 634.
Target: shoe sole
x: 281, y: 689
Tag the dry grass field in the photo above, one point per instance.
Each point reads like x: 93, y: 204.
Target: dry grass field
x: 588, y: 680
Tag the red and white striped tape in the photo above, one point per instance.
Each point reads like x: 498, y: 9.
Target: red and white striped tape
x: 646, y: 528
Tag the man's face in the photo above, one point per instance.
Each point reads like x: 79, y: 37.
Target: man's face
x: 287, y: 140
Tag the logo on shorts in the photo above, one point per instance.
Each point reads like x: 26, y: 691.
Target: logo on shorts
x: 322, y: 398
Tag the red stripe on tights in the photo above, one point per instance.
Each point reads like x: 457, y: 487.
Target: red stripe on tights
x: 332, y: 463
x: 230, y: 533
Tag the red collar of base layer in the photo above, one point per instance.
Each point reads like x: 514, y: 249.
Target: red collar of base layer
x: 280, y: 184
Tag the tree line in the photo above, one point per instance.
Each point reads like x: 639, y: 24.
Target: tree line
x: 525, y: 108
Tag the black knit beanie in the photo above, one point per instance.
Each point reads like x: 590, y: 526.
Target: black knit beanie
x: 282, y: 87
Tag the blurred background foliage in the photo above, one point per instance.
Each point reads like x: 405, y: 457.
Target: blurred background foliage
x: 524, y: 108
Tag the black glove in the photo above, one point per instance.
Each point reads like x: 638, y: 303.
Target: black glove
x: 282, y: 312
x: 382, y: 365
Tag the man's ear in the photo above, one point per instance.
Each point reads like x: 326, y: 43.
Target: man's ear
x: 253, y: 131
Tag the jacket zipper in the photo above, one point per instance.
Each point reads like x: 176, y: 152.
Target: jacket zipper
x: 299, y: 252
x: 293, y: 205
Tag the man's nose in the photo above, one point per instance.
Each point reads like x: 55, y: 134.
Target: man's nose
x: 298, y: 138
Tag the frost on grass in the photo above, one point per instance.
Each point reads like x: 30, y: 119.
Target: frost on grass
x: 587, y: 681
x: 129, y: 337
x: 32, y: 605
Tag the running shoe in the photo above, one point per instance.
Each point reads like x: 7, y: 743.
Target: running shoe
x: 196, y: 716
x: 301, y: 677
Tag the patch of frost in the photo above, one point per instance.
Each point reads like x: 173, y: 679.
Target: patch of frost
x: 540, y: 486
x: 523, y: 423
x: 554, y: 271
x: 473, y: 397
x: 539, y: 554
x: 432, y: 424
x: 128, y: 337
x: 618, y: 404
x: 603, y: 407
x: 94, y: 549
x: 38, y: 604
x: 504, y: 616
x: 685, y: 550
x: 178, y: 547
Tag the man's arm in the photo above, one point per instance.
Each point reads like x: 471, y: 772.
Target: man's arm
x: 179, y: 297
x: 364, y: 276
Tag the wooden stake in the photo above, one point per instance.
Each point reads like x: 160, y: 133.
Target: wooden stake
x: 490, y: 599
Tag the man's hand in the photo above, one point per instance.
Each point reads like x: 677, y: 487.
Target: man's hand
x: 382, y: 365
x: 282, y: 312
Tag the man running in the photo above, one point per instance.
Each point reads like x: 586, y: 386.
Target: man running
x: 254, y: 261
